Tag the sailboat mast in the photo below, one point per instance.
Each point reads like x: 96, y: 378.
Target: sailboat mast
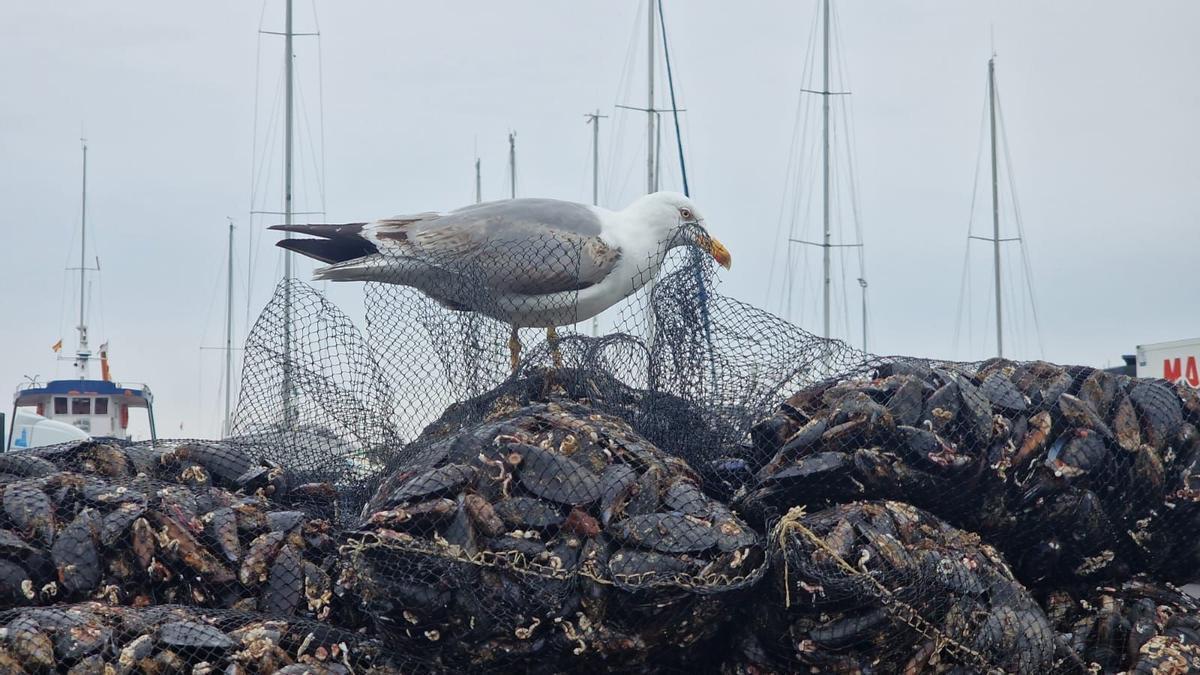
x: 825, y: 242
x: 287, y: 133
x: 83, y: 250
x: 82, y: 353
x: 651, y: 172
x: 478, y: 183
x: 513, y: 165
x: 229, y: 333
x: 995, y: 205
x: 650, y: 112
x: 594, y: 120
x: 287, y: 211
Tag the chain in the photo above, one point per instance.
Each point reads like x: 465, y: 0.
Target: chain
x: 517, y: 561
x: 897, y: 608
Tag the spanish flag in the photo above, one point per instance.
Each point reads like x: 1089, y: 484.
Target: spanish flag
x: 104, y: 372
x: 57, y: 346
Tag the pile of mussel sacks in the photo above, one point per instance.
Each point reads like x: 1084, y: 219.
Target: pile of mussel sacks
x: 908, y: 518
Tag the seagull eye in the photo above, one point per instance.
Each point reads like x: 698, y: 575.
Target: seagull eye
x: 685, y: 212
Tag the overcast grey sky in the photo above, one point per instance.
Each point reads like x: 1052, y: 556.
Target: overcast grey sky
x: 1100, y: 101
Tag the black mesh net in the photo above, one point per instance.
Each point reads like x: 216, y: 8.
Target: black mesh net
x: 703, y: 487
x: 93, y: 637
x: 165, y: 535
x: 549, y: 529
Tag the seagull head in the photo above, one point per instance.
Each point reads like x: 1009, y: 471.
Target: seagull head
x: 673, y: 220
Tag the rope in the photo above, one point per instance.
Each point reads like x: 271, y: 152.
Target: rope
x: 701, y: 287
x: 1012, y: 188
x: 894, y: 606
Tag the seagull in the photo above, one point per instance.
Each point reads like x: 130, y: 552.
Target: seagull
x: 530, y: 263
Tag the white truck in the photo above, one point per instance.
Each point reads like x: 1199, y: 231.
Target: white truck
x: 30, y: 430
x: 1177, y: 361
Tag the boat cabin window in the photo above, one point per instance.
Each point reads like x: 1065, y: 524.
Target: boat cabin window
x: 81, y: 406
x: 60, y: 405
x: 101, y: 406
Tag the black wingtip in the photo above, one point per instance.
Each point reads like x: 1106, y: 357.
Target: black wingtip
x: 329, y: 250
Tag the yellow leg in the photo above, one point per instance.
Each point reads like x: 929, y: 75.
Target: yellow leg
x: 514, y: 350
x: 552, y: 340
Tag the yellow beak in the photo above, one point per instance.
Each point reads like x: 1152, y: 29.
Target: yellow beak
x: 717, y: 250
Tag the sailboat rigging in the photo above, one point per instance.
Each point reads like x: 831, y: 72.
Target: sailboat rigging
x: 294, y: 157
x: 996, y: 136
x: 793, y: 270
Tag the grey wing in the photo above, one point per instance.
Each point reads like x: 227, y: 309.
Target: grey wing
x: 526, y: 246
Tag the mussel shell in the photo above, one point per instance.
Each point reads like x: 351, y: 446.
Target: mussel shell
x: 30, y: 643
x: 666, y: 532
x: 530, y: 548
x: 1100, y: 391
x: 941, y: 408
x: 221, y: 528
x: 21, y: 463
x: 631, y: 562
x: 285, y: 586
x: 1079, y: 413
x: 905, y: 398
x: 437, y: 481
x: 556, y: 477
x: 1125, y: 425
x: 186, y: 548
x: 1160, y: 411
x: 800, y: 444
x: 843, y: 631
x: 1076, y: 452
x: 13, y: 579
x: 1003, y: 393
x: 977, y: 410
x: 75, y: 554
x: 86, y: 636
x: 13, y: 544
x: 285, y: 521
x: 685, y: 497
x: 483, y: 515
x: 646, y: 494
x: 29, y: 509
x: 116, y: 522
x: 617, y: 481
x: 529, y: 512
x: 194, y: 635
x: 222, y: 460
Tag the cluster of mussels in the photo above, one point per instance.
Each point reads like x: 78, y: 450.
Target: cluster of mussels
x: 93, y: 638
x: 912, y: 518
x: 549, y: 529
x: 1080, y: 478
x: 1140, y: 625
x: 109, y: 528
x: 884, y: 587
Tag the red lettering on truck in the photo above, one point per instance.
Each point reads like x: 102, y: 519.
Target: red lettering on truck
x: 1175, y: 370
x: 1172, y: 369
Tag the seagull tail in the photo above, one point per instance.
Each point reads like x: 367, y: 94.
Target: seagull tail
x: 359, y: 269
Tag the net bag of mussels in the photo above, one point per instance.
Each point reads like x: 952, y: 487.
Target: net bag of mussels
x: 548, y: 531
x: 885, y: 587
x: 1076, y: 474
x: 93, y: 638
x: 1080, y: 478
x: 183, y: 522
